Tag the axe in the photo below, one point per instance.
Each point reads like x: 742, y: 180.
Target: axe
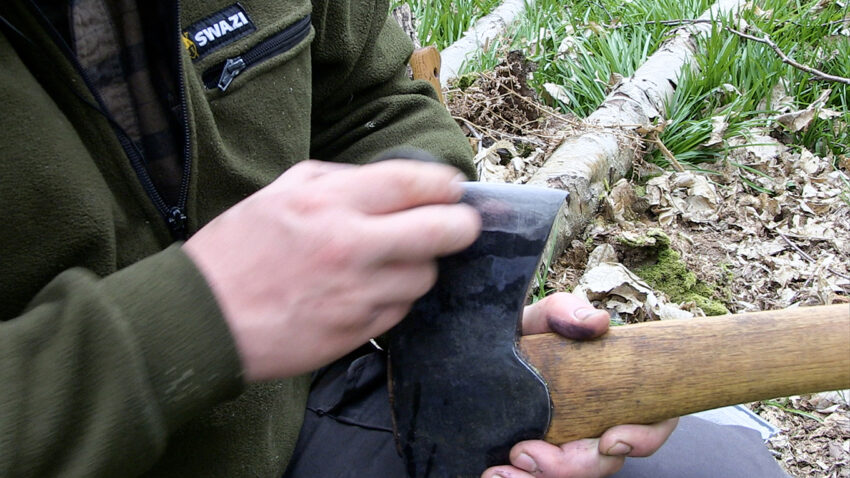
x: 465, y: 387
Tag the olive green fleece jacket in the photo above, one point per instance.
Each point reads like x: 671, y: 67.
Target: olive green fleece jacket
x: 114, y: 356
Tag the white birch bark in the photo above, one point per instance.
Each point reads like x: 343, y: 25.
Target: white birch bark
x: 485, y: 30
x: 584, y: 164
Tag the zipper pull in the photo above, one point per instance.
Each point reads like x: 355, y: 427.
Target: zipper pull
x: 232, y: 67
x: 177, y: 222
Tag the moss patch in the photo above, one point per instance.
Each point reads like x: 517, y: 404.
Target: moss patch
x: 654, y: 239
x: 670, y: 275
x: 465, y: 81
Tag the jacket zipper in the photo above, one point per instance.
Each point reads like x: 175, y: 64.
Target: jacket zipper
x: 221, y: 75
x: 175, y: 216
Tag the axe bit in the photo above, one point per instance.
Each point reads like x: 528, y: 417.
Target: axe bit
x: 465, y: 387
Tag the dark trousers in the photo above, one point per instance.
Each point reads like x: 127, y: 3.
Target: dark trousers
x: 347, y: 432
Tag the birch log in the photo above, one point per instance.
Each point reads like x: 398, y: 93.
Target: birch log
x: 485, y: 30
x: 584, y: 164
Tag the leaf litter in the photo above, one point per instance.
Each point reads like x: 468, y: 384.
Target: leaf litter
x: 767, y: 228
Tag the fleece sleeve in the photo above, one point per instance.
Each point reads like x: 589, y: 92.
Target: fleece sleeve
x: 96, y: 372
x: 363, y: 102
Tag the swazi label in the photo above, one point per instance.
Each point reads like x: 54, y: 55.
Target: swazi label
x: 215, y: 31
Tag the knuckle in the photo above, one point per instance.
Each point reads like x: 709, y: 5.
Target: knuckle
x: 435, y: 232
x: 306, y: 204
x: 612, y: 465
x: 336, y: 252
x: 408, y: 184
x: 435, y: 186
x: 555, y: 303
x: 501, y: 471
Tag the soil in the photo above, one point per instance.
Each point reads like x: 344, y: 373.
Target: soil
x: 772, y: 236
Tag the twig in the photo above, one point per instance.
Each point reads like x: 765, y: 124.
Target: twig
x: 805, y: 255
x: 546, y: 111
x: 471, y: 126
x: 653, y: 136
x: 493, y: 132
x: 785, y: 59
x: 527, y: 100
x: 483, y: 104
x: 510, y: 93
x: 766, y: 40
x: 610, y: 17
x: 700, y: 21
x: 671, y: 23
x: 808, y: 281
x: 478, y: 136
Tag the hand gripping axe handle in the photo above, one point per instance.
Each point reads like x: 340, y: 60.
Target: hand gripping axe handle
x: 465, y: 387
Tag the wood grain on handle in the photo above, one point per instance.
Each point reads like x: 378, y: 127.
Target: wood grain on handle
x: 425, y: 63
x: 657, y: 370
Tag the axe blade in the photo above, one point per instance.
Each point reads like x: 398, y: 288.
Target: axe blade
x: 461, y: 394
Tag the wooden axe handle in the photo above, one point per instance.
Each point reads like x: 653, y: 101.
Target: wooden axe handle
x: 425, y: 63
x: 652, y: 371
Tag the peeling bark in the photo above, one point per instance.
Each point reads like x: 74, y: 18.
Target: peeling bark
x: 584, y: 165
x: 404, y: 17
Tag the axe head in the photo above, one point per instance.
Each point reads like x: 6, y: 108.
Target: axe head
x: 461, y: 394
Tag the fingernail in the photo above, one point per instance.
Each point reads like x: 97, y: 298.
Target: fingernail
x: 526, y: 463
x: 460, y: 178
x: 584, y: 313
x: 619, y: 449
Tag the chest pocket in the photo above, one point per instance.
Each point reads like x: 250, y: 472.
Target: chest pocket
x: 222, y: 75
x: 245, y: 41
x: 250, y: 96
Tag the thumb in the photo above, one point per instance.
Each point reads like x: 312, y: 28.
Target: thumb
x: 565, y: 314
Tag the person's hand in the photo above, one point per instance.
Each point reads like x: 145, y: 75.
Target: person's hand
x: 328, y: 256
x: 572, y: 317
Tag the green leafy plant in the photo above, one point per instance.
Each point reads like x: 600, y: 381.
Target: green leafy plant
x: 582, y: 45
x: 443, y: 22
x: 783, y: 405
